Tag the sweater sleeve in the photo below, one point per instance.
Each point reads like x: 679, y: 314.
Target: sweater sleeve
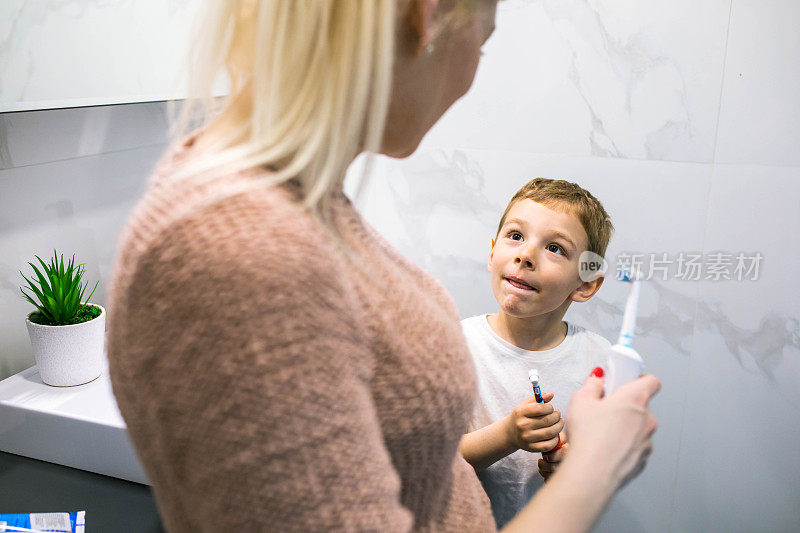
x: 243, y: 373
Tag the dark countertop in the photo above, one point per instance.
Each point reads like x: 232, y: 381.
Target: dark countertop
x: 111, y: 504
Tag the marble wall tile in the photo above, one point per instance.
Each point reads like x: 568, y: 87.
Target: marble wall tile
x: 758, y: 122
x: 441, y: 208
x: 738, y: 468
x: 600, y: 78
x: 35, y: 137
x: 67, y: 54
x: 77, y: 206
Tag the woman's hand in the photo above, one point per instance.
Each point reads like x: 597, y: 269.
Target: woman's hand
x: 534, y: 427
x: 610, y: 439
x: 614, y: 434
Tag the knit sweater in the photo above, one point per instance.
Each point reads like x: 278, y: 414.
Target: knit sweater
x: 267, y: 384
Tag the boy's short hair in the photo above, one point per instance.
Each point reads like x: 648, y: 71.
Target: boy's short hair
x: 565, y: 196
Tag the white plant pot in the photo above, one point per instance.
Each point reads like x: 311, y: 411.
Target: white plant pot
x: 69, y: 355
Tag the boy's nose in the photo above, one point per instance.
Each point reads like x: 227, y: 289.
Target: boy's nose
x: 523, y: 259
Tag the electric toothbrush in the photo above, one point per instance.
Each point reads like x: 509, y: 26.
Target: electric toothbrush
x: 624, y: 363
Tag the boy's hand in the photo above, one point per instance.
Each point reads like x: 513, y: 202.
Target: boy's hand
x: 550, y: 460
x: 534, y: 427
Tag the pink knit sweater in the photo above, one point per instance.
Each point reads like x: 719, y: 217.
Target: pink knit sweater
x: 269, y: 386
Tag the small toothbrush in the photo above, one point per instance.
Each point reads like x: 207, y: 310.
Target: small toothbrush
x: 533, y: 377
x: 624, y: 363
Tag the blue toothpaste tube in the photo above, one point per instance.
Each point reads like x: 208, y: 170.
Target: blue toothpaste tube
x: 43, y: 522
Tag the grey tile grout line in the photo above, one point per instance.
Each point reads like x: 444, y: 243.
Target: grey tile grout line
x: 687, y: 381
x: 87, y: 106
x: 545, y: 154
x: 693, y: 352
x: 722, y: 83
x: 98, y: 154
x: 566, y: 154
x: 591, y: 156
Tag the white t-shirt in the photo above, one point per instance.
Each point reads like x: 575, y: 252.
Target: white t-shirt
x: 502, y: 370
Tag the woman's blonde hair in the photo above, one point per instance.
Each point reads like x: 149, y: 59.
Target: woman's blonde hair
x: 318, y: 74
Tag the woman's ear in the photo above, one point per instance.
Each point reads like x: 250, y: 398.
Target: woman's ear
x: 422, y: 16
x: 587, y: 289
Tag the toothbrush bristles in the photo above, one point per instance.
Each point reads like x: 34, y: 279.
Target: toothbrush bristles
x: 625, y: 274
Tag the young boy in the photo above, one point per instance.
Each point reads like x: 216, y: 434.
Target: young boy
x: 533, y: 270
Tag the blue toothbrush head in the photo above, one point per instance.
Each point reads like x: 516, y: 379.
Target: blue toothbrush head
x: 626, y: 274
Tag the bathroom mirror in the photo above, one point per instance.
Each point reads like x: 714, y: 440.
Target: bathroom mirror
x: 89, y: 53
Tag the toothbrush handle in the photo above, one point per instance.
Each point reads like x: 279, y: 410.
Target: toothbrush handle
x: 624, y: 366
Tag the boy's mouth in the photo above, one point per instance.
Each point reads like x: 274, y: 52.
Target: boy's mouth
x: 520, y: 284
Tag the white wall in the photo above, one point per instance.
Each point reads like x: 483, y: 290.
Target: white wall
x: 683, y: 118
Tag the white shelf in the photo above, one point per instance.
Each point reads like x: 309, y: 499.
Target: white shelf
x: 80, y: 426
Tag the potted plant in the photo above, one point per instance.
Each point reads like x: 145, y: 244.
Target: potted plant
x: 67, y: 336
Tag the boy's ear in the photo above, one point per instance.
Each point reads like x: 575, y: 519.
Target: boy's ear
x: 586, y: 290
x: 491, y: 254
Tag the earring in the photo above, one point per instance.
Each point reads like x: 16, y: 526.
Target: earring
x: 429, y: 49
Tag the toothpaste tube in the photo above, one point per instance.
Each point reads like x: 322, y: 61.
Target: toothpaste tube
x: 43, y: 522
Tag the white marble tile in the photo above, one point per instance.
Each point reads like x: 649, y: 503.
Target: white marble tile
x: 758, y: 122
x: 35, y: 137
x: 738, y: 468
x: 67, y: 54
x: 596, y: 78
x: 76, y: 206
x: 441, y: 208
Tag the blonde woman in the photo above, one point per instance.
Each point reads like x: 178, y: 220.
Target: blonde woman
x: 280, y: 366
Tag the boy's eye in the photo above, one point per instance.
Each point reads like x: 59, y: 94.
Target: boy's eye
x: 556, y: 249
x: 515, y: 235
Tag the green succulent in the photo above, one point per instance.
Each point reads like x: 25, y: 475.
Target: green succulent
x: 59, y: 293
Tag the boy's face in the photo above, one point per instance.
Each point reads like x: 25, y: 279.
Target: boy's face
x: 533, y: 264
